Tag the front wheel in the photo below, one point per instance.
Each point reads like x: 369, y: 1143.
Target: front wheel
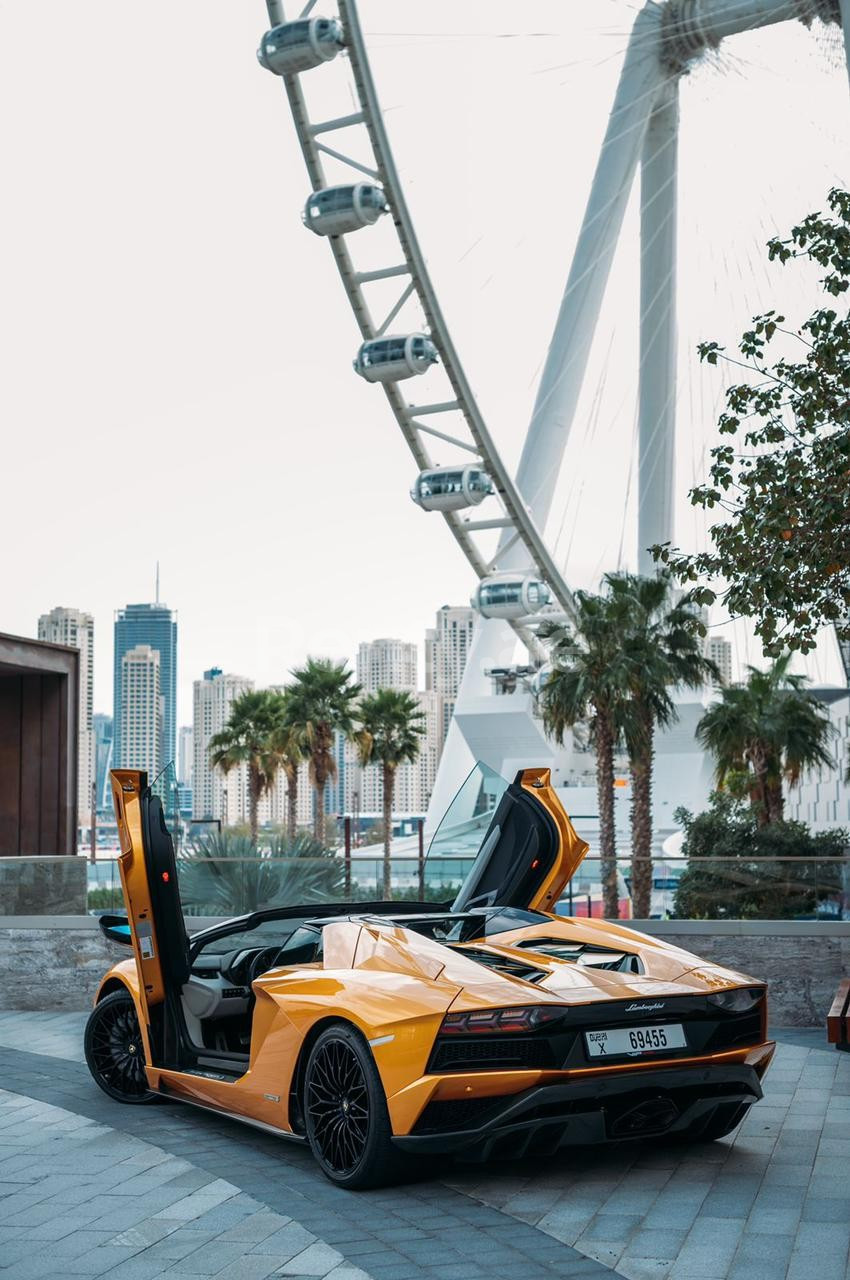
x: 348, y: 1125
x: 114, y: 1050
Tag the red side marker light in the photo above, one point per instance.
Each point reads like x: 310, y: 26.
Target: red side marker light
x: 535, y: 863
x: 166, y: 877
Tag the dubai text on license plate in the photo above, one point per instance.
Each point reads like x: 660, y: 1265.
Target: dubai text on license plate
x: 634, y: 1041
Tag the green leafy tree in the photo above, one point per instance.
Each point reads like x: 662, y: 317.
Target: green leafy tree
x: 661, y: 643
x: 392, y: 725
x: 321, y: 701
x: 249, y: 738
x: 782, y: 551
x: 742, y: 870
x: 225, y: 874
x: 763, y: 732
x: 588, y: 685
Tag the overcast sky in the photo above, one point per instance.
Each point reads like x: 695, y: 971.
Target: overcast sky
x: 177, y: 349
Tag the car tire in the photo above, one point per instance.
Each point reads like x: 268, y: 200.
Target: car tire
x: 345, y: 1112
x: 114, y: 1050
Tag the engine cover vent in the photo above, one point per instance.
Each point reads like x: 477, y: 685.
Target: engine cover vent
x: 583, y: 954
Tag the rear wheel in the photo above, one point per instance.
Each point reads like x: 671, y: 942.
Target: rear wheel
x: 114, y: 1050
x: 345, y: 1109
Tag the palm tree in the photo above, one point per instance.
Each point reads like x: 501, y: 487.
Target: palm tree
x: 769, y: 729
x: 319, y: 703
x: 661, y: 642
x: 288, y: 746
x: 249, y: 738
x: 392, y: 727
x: 588, y: 685
x: 225, y: 874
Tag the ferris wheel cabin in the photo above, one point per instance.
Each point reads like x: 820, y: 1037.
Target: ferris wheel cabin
x: 451, y: 488
x: 393, y: 359
x: 298, y: 46
x: 510, y: 596
x: 337, y: 210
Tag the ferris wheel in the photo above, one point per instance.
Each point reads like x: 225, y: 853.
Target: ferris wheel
x: 520, y: 582
x: 476, y: 494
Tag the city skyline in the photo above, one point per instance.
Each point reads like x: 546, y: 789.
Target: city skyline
x: 388, y: 662
x: 75, y: 628
x: 384, y: 662
x: 150, y: 624
x: 224, y: 348
x: 104, y: 705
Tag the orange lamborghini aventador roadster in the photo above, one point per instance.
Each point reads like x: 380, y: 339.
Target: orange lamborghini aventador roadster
x: 376, y: 1032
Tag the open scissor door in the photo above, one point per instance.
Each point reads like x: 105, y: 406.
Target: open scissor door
x: 530, y: 849
x: 148, y: 871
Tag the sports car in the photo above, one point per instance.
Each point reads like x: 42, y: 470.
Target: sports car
x: 378, y: 1033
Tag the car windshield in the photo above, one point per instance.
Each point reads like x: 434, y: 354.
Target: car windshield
x: 465, y: 822
x: 266, y: 934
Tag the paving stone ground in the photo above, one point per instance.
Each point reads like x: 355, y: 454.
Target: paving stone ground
x: 92, y: 1188
x: 771, y: 1201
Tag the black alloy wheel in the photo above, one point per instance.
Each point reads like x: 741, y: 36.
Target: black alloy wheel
x: 114, y: 1050
x: 345, y: 1108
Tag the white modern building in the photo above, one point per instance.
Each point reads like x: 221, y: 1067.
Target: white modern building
x: 141, y: 709
x: 215, y: 794
x: 447, y: 647
x: 273, y: 806
x: 386, y: 664
x: 185, y: 754
x: 822, y: 799
x: 431, y: 704
x: 74, y: 628
x: 719, y: 651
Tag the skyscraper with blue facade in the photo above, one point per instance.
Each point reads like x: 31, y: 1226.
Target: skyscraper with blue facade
x: 154, y: 625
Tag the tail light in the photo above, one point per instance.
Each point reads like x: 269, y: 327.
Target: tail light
x: 500, y: 1021
x: 738, y: 999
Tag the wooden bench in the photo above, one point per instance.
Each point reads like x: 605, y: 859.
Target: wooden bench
x: 838, y: 1018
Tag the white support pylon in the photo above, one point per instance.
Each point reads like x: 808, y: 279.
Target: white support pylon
x: 844, y: 7
x: 664, y: 41
x: 657, y: 379
x: 493, y: 644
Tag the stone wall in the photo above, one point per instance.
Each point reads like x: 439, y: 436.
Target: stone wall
x: 43, y: 886
x: 56, y: 963
x: 802, y: 961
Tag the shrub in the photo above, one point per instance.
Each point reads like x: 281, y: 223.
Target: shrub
x: 746, y: 880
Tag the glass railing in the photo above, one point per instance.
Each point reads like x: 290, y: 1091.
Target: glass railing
x: 697, y: 888
x: 233, y: 886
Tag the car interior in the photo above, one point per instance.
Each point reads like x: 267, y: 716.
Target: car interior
x: 205, y: 1026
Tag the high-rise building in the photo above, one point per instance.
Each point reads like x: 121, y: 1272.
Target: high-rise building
x: 431, y: 705
x: 154, y: 625
x: 446, y: 648
x: 342, y: 796
x: 273, y: 805
x: 386, y: 664
x: 75, y: 629
x: 185, y: 755
x: 103, y: 759
x: 215, y: 794
x: 141, y: 709
x: 720, y: 652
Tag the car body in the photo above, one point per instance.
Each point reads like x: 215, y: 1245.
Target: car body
x: 484, y: 1028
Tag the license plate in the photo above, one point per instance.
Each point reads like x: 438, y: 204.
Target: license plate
x: 634, y: 1041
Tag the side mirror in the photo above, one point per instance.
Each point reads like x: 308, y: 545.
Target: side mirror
x: 116, y: 929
